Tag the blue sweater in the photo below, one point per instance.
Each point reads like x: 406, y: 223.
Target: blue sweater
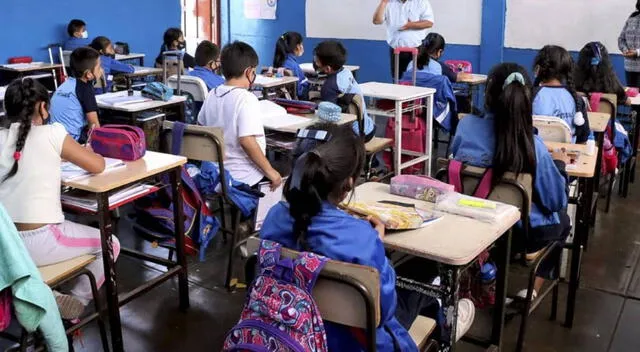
x: 111, y: 66
x: 475, y: 144
x: 557, y: 101
x: 444, y: 105
x: 339, y: 236
x: 210, y: 78
x: 291, y: 63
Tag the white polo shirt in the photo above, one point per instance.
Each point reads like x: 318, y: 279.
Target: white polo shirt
x: 398, y: 13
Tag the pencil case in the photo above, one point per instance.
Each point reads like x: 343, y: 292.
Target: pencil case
x: 329, y: 112
x: 157, y: 91
x: 632, y: 92
x: 419, y: 187
x: 119, y: 142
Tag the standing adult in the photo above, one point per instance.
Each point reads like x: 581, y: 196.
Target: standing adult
x: 629, y: 44
x: 407, y: 22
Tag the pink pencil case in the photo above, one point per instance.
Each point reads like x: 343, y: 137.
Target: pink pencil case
x: 419, y: 187
x: 632, y: 92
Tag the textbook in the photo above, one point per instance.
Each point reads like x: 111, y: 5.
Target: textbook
x: 87, y: 201
x: 72, y: 172
x: 394, y: 215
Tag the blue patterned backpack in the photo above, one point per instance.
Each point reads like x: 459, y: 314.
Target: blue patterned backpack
x: 280, y: 313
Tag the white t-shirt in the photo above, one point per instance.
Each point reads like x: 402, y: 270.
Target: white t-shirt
x: 32, y: 195
x: 237, y: 112
x: 398, y: 13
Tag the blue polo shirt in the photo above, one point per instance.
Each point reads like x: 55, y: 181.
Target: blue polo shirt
x: 70, y: 104
x: 211, y: 79
x: 74, y: 43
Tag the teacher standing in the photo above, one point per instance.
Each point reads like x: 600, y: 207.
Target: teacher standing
x: 629, y: 44
x: 407, y: 22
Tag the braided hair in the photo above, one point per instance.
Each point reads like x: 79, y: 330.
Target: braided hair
x: 20, y: 102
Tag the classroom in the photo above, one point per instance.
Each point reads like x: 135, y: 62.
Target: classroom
x: 319, y: 175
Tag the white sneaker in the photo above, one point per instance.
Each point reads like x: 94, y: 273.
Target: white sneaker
x: 522, y: 294
x: 466, y: 314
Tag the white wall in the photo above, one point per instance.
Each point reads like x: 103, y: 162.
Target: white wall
x: 459, y: 21
x: 531, y: 24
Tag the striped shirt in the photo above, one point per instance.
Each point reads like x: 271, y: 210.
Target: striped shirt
x: 629, y: 39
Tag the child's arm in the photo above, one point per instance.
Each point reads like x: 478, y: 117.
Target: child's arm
x: 117, y: 66
x: 87, y: 98
x: 251, y: 147
x: 92, y: 120
x: 81, y: 156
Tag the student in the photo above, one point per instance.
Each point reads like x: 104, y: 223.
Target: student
x: 108, y: 62
x: 74, y: 103
x: 236, y: 110
x: 330, y: 57
x: 629, y: 45
x: 323, y: 175
x: 288, y: 48
x: 594, y: 73
x: 555, y: 94
x: 173, y: 40
x: 31, y: 152
x: 78, y: 35
x: 503, y: 139
x: 207, y: 63
x: 429, y: 55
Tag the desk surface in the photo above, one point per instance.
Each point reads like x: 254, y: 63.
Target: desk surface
x: 453, y: 240
x: 635, y: 100
x: 586, y: 165
x: 307, y: 68
x: 473, y: 79
x: 31, y: 67
x: 142, y: 71
x: 272, y: 82
x: 130, y: 56
x: 312, y: 119
x: 394, y: 91
x: 598, y: 121
x: 138, y: 107
x: 151, y: 164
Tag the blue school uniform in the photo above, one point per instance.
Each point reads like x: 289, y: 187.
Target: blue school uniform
x: 110, y: 66
x: 437, y: 68
x: 558, y: 102
x: 444, y: 102
x: 70, y: 103
x: 339, y: 236
x: 291, y: 64
x: 343, y: 82
x: 209, y: 77
x: 475, y: 144
x: 74, y: 43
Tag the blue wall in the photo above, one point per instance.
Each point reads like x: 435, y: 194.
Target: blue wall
x: 30, y: 25
x: 373, y: 56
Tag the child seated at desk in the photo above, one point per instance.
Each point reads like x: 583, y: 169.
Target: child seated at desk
x: 108, y: 63
x: 236, y: 110
x: 78, y: 35
x: 74, y: 104
x: 173, y: 40
x: 207, y: 63
x: 554, y: 92
x: 509, y: 116
x: 288, y: 48
x: 31, y: 151
x: 330, y: 57
x: 324, y: 173
x: 429, y: 56
x: 594, y: 73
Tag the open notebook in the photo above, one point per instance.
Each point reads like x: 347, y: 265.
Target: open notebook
x: 72, y: 172
x: 275, y: 117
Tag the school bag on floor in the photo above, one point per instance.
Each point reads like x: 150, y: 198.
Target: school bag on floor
x: 280, y: 313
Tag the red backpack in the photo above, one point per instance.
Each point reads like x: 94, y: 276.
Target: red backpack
x: 609, y: 152
x: 5, y: 308
x: 280, y: 313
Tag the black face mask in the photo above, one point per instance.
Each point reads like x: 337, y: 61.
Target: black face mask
x: 251, y: 81
x: 182, y: 45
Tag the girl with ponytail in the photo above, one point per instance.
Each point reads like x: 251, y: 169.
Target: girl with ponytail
x: 504, y: 140
x: 31, y: 154
x: 288, y: 48
x: 328, y: 160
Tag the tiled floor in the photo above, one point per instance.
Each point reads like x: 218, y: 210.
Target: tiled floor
x: 608, y: 306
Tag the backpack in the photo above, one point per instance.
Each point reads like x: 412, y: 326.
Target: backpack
x: 459, y: 66
x: 5, y: 308
x: 609, y: 152
x: 280, y: 313
x: 157, y: 91
x: 154, y: 213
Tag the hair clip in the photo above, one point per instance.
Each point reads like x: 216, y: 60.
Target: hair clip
x: 515, y: 76
x: 17, y: 156
x: 319, y: 135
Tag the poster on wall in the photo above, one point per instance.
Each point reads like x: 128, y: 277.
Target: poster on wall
x: 260, y: 9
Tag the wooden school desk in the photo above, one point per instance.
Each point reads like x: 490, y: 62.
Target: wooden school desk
x: 32, y: 69
x: 283, y: 138
x: 470, y: 84
x: 139, y: 73
x: 585, y: 171
x: 271, y: 84
x: 401, y: 94
x: 102, y: 185
x: 131, y: 56
x: 453, y: 242
x: 174, y: 106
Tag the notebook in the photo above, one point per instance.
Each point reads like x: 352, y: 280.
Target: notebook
x: 275, y: 117
x: 72, y: 172
x: 88, y: 201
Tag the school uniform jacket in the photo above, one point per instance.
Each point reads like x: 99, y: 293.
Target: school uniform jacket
x: 343, y: 82
x: 339, y: 236
x: 111, y: 66
x: 291, y: 63
x: 475, y: 144
x: 444, y: 101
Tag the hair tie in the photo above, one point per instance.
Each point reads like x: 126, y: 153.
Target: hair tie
x: 298, y: 170
x: 17, y: 156
x: 515, y: 76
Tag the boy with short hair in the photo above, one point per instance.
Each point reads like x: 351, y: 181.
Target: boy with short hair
x: 74, y: 103
x: 330, y: 57
x: 236, y: 110
x: 207, y: 62
x: 78, y: 35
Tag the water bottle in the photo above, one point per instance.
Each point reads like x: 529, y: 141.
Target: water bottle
x: 488, y: 278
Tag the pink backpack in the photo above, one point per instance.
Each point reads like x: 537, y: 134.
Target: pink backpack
x: 5, y: 308
x: 459, y: 66
x: 280, y: 313
x: 609, y: 152
x: 483, y: 189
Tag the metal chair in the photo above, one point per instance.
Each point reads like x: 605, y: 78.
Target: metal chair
x: 552, y: 129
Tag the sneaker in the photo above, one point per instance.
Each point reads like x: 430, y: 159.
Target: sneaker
x: 70, y: 307
x: 521, y: 295
x: 466, y: 314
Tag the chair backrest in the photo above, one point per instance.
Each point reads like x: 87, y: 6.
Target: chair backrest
x: 66, y: 58
x: 608, y: 104
x: 198, y: 143
x: 346, y: 294
x: 356, y: 107
x: 552, y: 129
x: 192, y: 85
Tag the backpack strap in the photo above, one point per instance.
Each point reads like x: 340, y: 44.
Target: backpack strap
x: 176, y: 137
x: 484, y: 186
x: 455, y: 175
x: 594, y: 101
x: 455, y: 178
x: 307, y: 268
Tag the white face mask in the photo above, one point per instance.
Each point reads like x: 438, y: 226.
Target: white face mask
x: 85, y: 34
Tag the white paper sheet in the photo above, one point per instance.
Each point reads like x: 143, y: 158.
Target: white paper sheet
x: 72, y: 172
x: 260, y: 9
x: 267, y: 202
